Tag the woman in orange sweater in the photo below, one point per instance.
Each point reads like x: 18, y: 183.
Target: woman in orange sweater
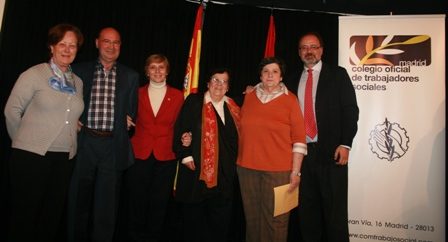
x: 271, y: 149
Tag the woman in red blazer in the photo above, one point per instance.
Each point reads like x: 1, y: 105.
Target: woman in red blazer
x: 149, y: 182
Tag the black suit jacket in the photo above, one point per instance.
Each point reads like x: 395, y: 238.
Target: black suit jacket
x: 127, y: 82
x: 336, y: 107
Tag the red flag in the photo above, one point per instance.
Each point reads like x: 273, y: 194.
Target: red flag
x: 191, y: 79
x: 270, y: 40
x: 192, y: 70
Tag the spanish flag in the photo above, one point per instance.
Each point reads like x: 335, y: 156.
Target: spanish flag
x: 270, y: 40
x: 191, y: 79
x: 192, y: 70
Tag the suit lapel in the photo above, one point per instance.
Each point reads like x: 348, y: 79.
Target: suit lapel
x: 164, y: 106
x: 119, y: 82
x: 86, y: 74
x: 120, y: 89
x: 166, y: 103
x: 322, y: 86
x: 143, y: 93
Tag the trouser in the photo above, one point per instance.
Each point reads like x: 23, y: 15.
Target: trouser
x: 148, y: 185
x: 39, y: 186
x: 95, y: 191
x: 208, y: 220
x: 257, y: 192
x: 323, y: 215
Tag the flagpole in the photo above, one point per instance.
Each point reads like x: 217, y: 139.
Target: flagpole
x: 191, y: 79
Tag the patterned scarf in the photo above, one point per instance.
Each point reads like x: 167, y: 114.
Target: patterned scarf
x: 61, y: 81
x: 210, y: 140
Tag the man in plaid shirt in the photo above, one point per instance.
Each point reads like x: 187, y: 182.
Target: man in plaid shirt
x: 104, y: 150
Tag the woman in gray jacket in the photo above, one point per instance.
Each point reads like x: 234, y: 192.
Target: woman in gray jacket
x: 42, y: 120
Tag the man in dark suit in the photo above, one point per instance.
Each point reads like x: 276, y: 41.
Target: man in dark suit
x: 104, y: 150
x: 331, y: 116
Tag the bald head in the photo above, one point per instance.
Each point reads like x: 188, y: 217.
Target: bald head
x: 108, y: 43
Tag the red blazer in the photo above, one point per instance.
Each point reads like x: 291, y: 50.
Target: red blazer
x: 154, y: 134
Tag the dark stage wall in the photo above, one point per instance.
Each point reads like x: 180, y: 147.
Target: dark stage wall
x: 233, y: 36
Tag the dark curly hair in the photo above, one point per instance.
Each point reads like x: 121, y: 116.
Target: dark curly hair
x: 269, y: 60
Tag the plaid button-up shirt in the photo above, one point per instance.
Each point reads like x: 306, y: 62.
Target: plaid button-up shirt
x: 102, y: 99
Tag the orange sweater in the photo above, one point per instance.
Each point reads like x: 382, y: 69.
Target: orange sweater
x: 268, y: 132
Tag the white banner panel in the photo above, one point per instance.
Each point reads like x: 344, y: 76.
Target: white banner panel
x: 2, y: 9
x: 397, y: 162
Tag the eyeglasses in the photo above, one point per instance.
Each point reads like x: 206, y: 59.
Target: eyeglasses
x: 115, y: 43
x: 217, y: 81
x: 309, y: 47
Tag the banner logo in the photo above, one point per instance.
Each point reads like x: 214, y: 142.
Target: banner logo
x: 390, y: 50
x: 389, y: 141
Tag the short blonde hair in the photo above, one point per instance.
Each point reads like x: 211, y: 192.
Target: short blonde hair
x: 157, y: 58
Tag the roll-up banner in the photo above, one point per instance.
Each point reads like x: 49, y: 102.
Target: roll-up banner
x: 397, y: 163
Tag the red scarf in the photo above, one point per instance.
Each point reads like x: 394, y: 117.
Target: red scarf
x: 210, y: 141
